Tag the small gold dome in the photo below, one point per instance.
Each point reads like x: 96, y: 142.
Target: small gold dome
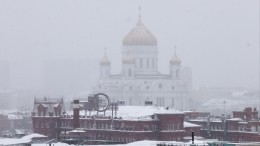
x: 140, y: 36
x: 105, y: 60
x: 175, y: 60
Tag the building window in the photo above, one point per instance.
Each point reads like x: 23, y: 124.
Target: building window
x: 154, y: 128
x: 160, y: 86
x: 141, y: 62
x: 42, y: 124
x: 147, y: 63
x: 129, y: 73
x: 155, y: 63
x: 56, y: 124
x: 146, y: 127
x: 177, y: 73
x: 160, y: 101
x: 47, y: 125
x: 36, y: 124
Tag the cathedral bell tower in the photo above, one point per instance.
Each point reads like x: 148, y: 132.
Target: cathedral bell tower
x: 105, y: 67
x: 175, y: 67
x: 128, y: 67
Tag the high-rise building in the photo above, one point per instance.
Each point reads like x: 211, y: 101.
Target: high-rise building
x: 5, y: 80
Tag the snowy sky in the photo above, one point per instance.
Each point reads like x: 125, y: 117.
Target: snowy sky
x: 218, y: 39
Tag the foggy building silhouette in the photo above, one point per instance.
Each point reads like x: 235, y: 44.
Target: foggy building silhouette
x: 66, y: 76
x: 140, y: 79
x: 5, y: 73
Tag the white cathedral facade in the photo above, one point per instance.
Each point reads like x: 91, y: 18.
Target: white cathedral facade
x: 140, y: 81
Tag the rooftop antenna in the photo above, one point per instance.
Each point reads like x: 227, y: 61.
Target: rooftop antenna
x: 175, y: 48
x: 224, y: 103
x: 105, y: 49
x: 140, y: 16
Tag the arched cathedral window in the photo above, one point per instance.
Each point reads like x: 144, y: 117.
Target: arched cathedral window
x: 177, y: 73
x: 153, y: 62
x: 160, y: 86
x: 147, y: 63
x: 123, y: 72
x: 129, y: 73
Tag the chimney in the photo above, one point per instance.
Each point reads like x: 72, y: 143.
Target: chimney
x: 76, y: 108
x: 192, y: 139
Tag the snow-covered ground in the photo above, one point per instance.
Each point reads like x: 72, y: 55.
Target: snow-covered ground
x: 140, y: 143
x: 23, y: 140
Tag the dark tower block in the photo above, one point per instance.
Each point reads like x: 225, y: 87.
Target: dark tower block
x: 76, y: 107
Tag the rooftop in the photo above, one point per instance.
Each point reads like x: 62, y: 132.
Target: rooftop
x: 138, y: 112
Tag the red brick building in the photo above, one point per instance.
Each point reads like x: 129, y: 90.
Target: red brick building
x: 243, y: 127
x: 132, y: 123
x: 46, y: 116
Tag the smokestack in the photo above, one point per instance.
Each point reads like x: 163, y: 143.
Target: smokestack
x: 192, y: 138
x: 76, y: 108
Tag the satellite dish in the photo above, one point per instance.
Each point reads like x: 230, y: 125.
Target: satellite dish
x: 101, y: 102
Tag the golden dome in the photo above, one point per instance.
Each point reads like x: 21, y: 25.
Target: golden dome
x: 140, y: 36
x: 175, y: 60
x: 128, y: 59
x: 105, y: 60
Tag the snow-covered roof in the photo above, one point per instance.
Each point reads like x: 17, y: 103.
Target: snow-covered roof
x: 33, y: 135
x: 53, y: 144
x: 77, y: 131
x: 20, y: 131
x: 142, y: 111
x: 243, y: 122
x: 48, y: 103
x: 187, y: 124
x: 138, y: 112
x: 235, y: 119
x: 14, y: 116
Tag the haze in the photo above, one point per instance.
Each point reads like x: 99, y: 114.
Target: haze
x: 219, y: 40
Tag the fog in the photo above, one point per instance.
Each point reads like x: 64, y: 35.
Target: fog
x: 55, y: 46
